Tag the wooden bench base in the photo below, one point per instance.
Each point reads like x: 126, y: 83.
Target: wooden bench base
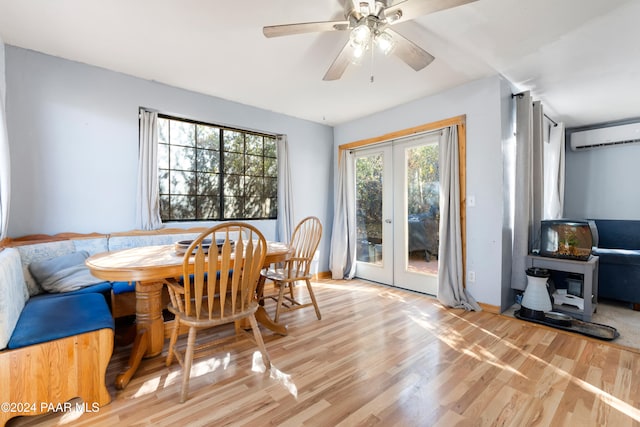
x: 42, y: 377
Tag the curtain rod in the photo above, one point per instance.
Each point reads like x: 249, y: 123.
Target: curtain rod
x: 520, y: 95
x: 551, y: 120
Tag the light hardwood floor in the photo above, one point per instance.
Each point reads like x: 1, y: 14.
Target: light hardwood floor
x: 382, y: 356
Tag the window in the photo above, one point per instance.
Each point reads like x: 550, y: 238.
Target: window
x: 209, y: 172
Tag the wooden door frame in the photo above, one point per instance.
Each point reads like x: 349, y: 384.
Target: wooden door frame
x: 461, y: 123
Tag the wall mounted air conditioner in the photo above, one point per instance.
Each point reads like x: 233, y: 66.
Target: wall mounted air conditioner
x: 605, y: 137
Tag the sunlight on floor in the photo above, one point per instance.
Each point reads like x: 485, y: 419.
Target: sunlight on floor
x: 285, y: 380
x: 148, y: 387
x: 206, y: 366
x: 72, y: 410
x: 343, y: 285
x: 257, y: 365
x: 454, y: 339
x: 172, y: 377
x: 393, y: 296
x: 275, y: 374
x: 603, y: 396
x: 70, y: 416
x: 198, y: 369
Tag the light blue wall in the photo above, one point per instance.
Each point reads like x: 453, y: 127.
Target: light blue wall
x: 73, y: 134
x: 482, y: 101
x: 602, y: 183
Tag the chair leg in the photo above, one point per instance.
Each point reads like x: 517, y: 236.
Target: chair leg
x: 313, y: 299
x: 172, y: 341
x: 188, y: 358
x: 258, y: 337
x: 282, y: 286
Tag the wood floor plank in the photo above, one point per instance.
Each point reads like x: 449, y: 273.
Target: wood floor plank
x: 385, y: 357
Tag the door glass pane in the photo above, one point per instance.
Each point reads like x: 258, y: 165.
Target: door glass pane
x: 369, y: 208
x: 423, y: 208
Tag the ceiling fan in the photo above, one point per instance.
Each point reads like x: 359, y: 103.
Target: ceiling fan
x: 369, y: 23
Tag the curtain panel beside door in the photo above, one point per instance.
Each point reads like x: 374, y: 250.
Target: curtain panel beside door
x: 342, y: 257
x: 5, y: 162
x: 451, y: 289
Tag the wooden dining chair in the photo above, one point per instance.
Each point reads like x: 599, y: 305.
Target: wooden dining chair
x: 304, y: 241
x: 221, y: 269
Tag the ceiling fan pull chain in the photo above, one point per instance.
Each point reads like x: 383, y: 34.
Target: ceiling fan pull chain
x: 372, y: 52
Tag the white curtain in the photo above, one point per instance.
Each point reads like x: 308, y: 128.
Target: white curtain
x: 554, y: 172
x: 537, y: 175
x: 5, y: 163
x: 528, y: 185
x: 148, y: 199
x: 451, y: 290
x: 284, y: 224
x: 342, y: 258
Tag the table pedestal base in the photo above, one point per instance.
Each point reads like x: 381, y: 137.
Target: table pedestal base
x: 150, y: 329
x: 137, y: 353
x: 261, y: 314
x: 265, y: 320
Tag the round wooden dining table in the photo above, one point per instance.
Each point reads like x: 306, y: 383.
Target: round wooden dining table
x: 148, y: 267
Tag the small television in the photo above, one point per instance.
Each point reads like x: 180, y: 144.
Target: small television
x: 567, y: 238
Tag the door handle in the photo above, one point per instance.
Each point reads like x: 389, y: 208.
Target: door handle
x: 388, y: 221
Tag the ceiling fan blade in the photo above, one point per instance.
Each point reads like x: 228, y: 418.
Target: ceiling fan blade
x: 339, y: 64
x: 306, y: 27
x: 411, y: 9
x: 415, y: 57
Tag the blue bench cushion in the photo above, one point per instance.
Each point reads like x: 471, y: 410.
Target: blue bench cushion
x: 48, y: 319
x: 123, y: 287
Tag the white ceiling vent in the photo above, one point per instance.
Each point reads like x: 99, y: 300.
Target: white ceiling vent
x: 605, y: 137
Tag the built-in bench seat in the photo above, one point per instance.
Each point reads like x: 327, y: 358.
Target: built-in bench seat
x: 55, y: 344
x: 52, y: 349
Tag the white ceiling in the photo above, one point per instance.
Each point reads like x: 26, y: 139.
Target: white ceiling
x: 580, y: 57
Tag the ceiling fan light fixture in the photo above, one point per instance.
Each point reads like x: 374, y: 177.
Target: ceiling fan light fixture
x: 385, y: 42
x: 360, y: 36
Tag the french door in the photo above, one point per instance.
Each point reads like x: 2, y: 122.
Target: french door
x: 397, y: 212
x: 374, y: 214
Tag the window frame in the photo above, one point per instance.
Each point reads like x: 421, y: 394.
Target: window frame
x: 268, y: 197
